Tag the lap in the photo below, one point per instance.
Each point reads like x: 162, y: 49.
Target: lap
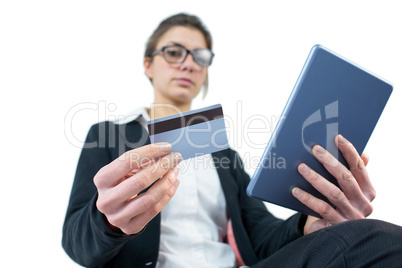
x: 358, y: 243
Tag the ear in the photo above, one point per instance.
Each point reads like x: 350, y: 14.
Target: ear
x: 147, y: 67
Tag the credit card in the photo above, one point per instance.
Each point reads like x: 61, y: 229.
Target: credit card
x: 193, y: 133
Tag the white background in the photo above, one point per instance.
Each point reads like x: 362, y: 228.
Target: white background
x: 55, y: 55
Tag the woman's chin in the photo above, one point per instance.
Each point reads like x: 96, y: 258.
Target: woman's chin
x: 184, y: 96
x: 181, y: 99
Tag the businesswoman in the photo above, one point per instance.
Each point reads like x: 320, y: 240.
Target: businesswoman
x: 134, y: 204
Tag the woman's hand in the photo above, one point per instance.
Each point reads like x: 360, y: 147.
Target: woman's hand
x: 120, y: 183
x: 352, y: 200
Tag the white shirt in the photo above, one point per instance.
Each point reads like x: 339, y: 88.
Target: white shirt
x: 194, y: 222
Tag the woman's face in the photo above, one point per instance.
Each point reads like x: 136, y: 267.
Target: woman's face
x: 177, y: 82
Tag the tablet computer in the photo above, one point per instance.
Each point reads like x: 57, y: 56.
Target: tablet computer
x: 331, y: 96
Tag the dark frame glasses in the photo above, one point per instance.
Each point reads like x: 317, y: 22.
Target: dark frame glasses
x: 178, y: 54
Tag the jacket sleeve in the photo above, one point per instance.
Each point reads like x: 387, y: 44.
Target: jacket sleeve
x: 267, y: 233
x: 86, y: 237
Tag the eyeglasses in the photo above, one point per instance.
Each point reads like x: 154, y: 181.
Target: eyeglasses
x: 178, y: 54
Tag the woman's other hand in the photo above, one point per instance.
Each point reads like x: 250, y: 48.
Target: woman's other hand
x: 352, y: 200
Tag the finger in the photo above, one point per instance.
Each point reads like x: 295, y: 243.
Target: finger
x: 145, y: 177
x: 138, y: 221
x: 314, y: 224
x: 344, y: 177
x: 318, y: 225
x: 356, y: 165
x: 111, y: 174
x: 136, y: 170
x: 365, y: 159
x: 137, y: 205
x: 329, y: 190
x: 317, y: 205
x: 154, y: 195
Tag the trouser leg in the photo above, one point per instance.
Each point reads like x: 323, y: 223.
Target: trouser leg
x: 359, y: 243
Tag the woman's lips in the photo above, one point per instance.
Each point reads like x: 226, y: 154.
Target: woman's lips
x: 184, y: 82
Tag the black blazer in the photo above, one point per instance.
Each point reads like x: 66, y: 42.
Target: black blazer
x: 89, y: 242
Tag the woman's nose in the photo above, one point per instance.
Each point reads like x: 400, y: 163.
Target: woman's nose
x: 189, y: 64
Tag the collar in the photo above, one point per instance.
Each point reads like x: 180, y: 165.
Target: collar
x: 139, y: 114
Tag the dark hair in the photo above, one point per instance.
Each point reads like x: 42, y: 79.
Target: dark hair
x: 180, y: 19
